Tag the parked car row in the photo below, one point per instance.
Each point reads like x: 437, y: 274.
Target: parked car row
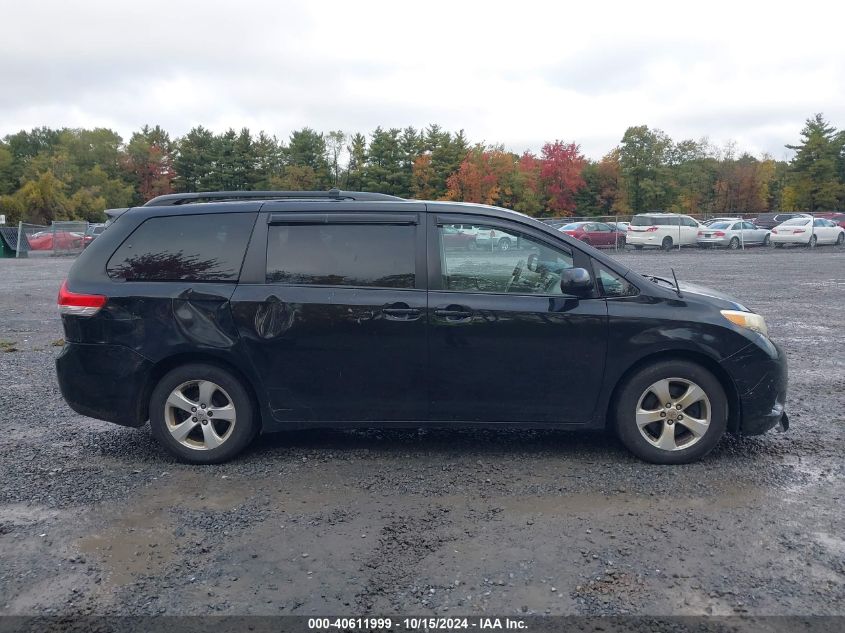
x: 670, y: 230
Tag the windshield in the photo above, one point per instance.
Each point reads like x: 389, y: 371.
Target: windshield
x: 796, y: 222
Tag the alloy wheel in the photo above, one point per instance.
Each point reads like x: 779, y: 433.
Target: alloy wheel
x: 200, y: 415
x: 673, y: 414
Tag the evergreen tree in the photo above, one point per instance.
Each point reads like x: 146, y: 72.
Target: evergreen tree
x: 816, y: 167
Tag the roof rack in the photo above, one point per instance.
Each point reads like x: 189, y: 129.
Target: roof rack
x: 209, y: 196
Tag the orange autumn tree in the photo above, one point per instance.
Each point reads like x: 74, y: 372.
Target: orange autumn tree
x: 484, y: 177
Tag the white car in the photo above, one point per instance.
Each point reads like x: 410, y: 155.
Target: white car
x: 732, y: 233
x: 808, y: 232
x: 663, y: 230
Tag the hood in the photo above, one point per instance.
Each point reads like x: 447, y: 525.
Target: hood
x: 715, y: 296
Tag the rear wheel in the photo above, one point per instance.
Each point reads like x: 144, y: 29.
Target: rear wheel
x: 734, y: 244
x: 672, y: 412
x: 504, y: 244
x: 202, y: 414
x: 666, y: 244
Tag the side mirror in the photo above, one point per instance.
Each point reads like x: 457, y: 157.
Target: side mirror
x: 575, y: 281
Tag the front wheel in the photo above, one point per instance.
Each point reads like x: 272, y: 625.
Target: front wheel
x: 812, y: 242
x: 671, y: 412
x: 202, y: 414
x: 841, y: 239
x: 767, y: 241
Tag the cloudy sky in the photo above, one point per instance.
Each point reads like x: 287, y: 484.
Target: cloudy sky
x: 519, y: 73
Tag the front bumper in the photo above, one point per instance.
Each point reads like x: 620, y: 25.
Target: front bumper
x: 761, y: 378
x: 106, y: 382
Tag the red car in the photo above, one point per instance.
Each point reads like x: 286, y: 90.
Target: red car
x: 60, y: 240
x: 594, y: 233
x: 836, y: 217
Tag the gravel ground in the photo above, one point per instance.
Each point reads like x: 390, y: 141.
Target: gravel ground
x: 96, y: 519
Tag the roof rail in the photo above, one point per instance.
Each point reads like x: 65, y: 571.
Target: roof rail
x: 209, y: 196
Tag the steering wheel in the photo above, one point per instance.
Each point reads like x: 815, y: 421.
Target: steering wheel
x: 517, y: 272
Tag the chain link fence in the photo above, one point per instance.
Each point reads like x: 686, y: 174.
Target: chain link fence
x: 58, y: 239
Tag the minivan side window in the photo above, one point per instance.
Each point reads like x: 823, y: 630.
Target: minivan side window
x: 369, y: 255
x: 208, y: 247
x: 499, y: 261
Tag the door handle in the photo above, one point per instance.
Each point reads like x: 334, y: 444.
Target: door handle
x: 401, y: 312
x: 454, y: 314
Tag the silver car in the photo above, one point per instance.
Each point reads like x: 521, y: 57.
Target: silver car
x: 733, y: 234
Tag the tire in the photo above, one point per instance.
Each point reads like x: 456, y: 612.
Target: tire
x: 812, y: 242
x: 504, y: 244
x: 778, y: 245
x: 689, y: 446
x: 734, y: 243
x: 767, y: 241
x: 666, y: 245
x: 226, y: 390
x: 841, y: 239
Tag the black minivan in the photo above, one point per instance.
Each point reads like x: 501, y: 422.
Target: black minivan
x: 218, y: 316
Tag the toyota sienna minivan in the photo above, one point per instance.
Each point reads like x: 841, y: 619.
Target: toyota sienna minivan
x: 219, y: 316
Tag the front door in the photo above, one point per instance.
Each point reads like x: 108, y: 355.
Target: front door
x: 336, y: 327
x: 505, y: 344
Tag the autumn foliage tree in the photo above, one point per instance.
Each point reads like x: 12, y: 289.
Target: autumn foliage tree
x: 483, y: 176
x: 561, y: 170
x: 149, y: 160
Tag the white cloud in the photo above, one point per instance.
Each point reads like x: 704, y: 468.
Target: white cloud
x: 516, y: 73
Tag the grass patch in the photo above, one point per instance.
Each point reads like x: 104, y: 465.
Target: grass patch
x: 8, y: 346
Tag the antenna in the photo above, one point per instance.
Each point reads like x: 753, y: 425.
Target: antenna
x: 677, y: 287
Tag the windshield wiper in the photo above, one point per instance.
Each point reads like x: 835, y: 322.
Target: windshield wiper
x: 673, y: 283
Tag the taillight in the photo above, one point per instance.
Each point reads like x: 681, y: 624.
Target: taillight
x: 651, y: 229
x: 78, y: 304
x: 719, y: 234
x: 700, y: 233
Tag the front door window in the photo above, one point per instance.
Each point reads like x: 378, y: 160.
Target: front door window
x: 500, y: 261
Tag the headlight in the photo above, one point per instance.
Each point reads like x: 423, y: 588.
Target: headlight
x: 747, y: 320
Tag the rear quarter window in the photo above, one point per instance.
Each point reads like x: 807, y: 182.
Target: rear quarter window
x: 208, y: 247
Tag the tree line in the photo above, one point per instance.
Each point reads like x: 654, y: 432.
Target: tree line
x: 56, y: 174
